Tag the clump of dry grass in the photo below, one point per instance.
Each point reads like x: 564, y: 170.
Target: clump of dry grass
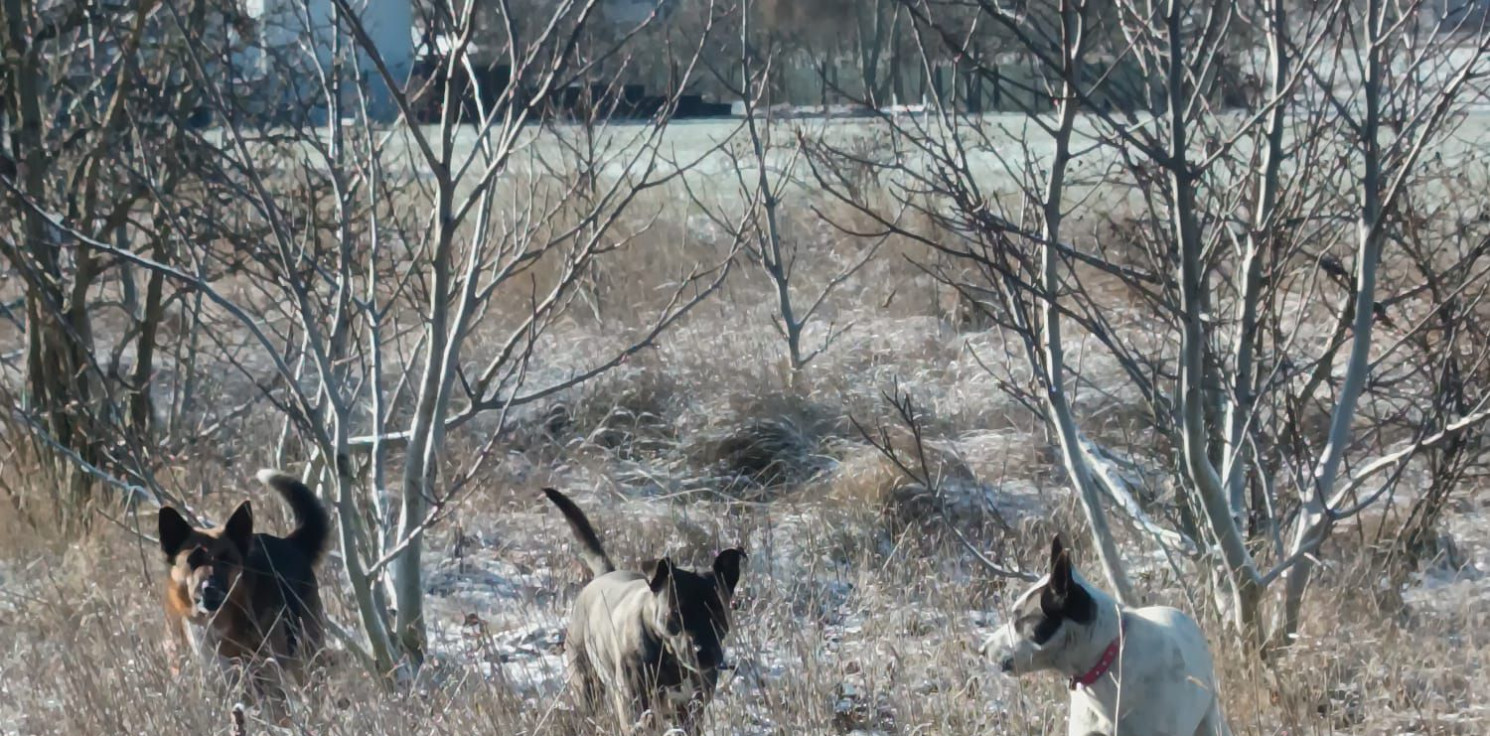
x: 766, y: 451
x: 630, y: 413
x: 866, y: 477
x: 756, y: 444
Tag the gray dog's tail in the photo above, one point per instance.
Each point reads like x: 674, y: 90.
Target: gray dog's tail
x: 590, y: 549
x: 312, y: 524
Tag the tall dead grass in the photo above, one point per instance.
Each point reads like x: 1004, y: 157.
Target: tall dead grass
x: 841, y: 629
x: 858, y: 614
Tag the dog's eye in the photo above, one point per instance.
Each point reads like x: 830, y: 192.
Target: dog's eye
x: 1043, y: 629
x: 197, y: 558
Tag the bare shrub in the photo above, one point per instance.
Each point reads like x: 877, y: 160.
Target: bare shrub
x: 1247, y: 302
x: 759, y: 444
x: 866, y: 478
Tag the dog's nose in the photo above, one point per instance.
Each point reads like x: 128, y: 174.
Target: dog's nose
x: 991, y: 648
x: 211, y: 597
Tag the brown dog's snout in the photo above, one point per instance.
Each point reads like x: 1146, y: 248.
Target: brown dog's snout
x: 210, y: 596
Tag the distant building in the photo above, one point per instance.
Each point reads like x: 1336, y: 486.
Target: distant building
x: 1463, y: 16
x: 633, y: 12
x: 289, y: 29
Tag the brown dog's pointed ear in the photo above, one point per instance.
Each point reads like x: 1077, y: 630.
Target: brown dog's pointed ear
x: 240, y: 527
x: 662, y: 575
x: 1056, y: 549
x: 727, y: 568
x: 173, y: 530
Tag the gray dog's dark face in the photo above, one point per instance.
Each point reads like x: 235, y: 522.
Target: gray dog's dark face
x: 692, y: 609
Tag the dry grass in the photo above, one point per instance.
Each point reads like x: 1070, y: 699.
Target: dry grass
x: 858, y: 615
x: 843, y: 628
x: 869, y: 478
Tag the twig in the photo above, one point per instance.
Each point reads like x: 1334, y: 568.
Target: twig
x: 880, y: 440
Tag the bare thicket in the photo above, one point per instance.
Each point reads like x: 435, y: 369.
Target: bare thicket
x: 347, y: 272
x: 762, y: 163
x: 1230, y: 257
x: 1225, y: 238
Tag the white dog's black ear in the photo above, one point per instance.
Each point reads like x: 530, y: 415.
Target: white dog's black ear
x: 1062, y: 580
x: 1056, y: 549
x: 1063, y: 597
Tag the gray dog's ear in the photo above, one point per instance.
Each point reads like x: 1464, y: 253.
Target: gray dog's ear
x: 727, y: 568
x: 1056, y: 550
x: 669, y: 619
x: 662, y: 575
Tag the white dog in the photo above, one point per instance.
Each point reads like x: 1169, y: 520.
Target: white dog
x: 1133, y: 671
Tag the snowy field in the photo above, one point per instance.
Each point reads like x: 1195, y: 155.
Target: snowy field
x: 852, y: 620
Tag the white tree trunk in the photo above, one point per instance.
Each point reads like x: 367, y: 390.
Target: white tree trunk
x: 427, y: 428
x: 1240, y: 409
x: 1194, y: 430
x: 1056, y: 401
x: 1315, y: 515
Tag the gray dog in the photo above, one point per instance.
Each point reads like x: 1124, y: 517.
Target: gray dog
x: 652, y: 642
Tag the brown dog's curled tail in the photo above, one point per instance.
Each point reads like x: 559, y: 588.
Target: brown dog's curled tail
x: 590, y: 549
x: 312, y: 524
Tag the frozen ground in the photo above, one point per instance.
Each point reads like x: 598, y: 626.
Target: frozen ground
x: 847, y: 624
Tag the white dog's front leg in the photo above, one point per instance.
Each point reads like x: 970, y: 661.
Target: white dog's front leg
x: 1087, y: 718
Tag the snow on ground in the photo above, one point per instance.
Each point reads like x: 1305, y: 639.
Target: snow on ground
x: 496, y: 611
x: 494, y: 607
x: 1458, y: 580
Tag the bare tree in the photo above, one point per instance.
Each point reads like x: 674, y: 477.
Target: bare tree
x: 98, y: 114
x: 378, y: 288
x: 1218, y: 213
x: 764, y: 169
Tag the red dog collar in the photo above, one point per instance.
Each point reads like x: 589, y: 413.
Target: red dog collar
x: 1103, y: 664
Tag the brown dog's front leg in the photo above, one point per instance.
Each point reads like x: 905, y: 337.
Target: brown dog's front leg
x: 268, y: 685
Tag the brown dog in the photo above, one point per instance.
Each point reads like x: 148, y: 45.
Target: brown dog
x: 646, y: 642
x: 241, y: 599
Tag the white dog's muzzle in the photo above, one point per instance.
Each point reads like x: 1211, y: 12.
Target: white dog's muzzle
x: 999, y: 647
